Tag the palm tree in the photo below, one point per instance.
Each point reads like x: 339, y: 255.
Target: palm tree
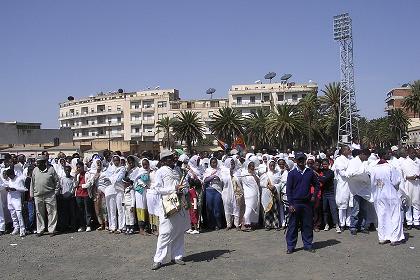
x: 256, y: 129
x: 285, y: 123
x: 227, y: 123
x: 412, y: 101
x: 308, y: 107
x: 399, y: 122
x: 330, y: 108
x: 166, y: 123
x: 189, y: 128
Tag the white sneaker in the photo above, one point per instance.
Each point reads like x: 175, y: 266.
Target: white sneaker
x: 80, y: 230
x: 15, y: 232
x: 189, y: 231
x: 195, y: 232
x: 327, y: 227
x: 88, y: 229
x: 338, y: 229
x: 22, y: 234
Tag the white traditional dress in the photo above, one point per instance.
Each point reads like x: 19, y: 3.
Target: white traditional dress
x: 412, y: 190
x: 385, y: 180
x: 171, y: 229
x: 14, y: 202
x: 342, y: 191
x: 251, y: 193
x: 141, y: 185
x: 228, y: 195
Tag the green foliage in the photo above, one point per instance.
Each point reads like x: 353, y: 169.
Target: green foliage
x: 189, y: 128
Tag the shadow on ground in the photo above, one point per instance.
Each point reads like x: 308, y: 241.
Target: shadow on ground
x: 206, y: 256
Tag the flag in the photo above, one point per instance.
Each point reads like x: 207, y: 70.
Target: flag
x: 239, y: 144
x: 222, y: 144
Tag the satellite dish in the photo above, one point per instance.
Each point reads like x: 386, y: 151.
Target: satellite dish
x: 285, y: 77
x: 210, y: 91
x: 404, y: 85
x: 258, y: 82
x: 91, y: 96
x: 70, y: 98
x: 120, y: 90
x: 269, y: 76
x: 157, y: 87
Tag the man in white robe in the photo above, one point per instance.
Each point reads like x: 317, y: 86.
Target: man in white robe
x: 359, y: 185
x: 385, y: 180
x: 342, y: 193
x: 411, y: 175
x: 172, y: 228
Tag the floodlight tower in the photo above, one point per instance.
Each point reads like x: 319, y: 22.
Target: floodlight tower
x: 346, y: 120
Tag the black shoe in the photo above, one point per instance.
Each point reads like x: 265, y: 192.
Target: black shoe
x: 353, y: 232
x: 365, y: 231
x: 417, y: 227
x: 39, y: 234
x: 156, y: 266
x: 1, y: 232
x: 290, y: 251
x: 310, y: 250
x: 409, y: 227
x: 396, y: 243
x: 54, y: 233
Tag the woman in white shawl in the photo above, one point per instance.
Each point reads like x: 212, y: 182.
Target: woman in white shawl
x: 270, y: 181
x: 141, y: 186
x: 282, y: 194
x: 114, y: 193
x: 154, y: 203
x: 251, y: 184
x: 214, y: 187
x: 228, y: 194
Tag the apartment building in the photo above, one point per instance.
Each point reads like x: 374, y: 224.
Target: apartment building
x: 117, y: 116
x: 394, y: 99
x: 133, y: 115
x: 247, y: 98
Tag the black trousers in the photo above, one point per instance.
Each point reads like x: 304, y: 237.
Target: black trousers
x: 68, y: 219
x: 302, y: 217
x: 85, y: 211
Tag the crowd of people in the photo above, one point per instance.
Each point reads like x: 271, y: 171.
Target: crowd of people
x: 358, y: 190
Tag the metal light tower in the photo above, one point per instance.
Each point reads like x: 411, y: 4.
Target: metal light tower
x: 346, y: 120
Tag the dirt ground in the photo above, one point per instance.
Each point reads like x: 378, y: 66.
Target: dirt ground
x: 213, y: 255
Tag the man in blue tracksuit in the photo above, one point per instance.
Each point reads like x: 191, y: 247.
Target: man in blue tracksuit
x: 300, y: 198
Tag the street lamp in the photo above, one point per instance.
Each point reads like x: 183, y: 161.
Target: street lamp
x: 109, y: 135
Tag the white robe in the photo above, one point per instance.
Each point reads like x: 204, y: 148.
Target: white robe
x: 412, y: 190
x: 387, y: 203
x: 358, y: 179
x: 251, y: 196
x: 342, y: 192
x: 171, y: 229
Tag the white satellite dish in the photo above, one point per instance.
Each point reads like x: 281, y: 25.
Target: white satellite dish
x: 258, y: 82
x: 158, y: 87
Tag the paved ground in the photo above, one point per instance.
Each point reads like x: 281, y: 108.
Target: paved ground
x: 214, y: 255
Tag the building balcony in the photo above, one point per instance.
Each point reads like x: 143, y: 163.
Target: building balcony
x: 104, y: 136
x: 112, y: 124
x: 148, y: 133
x: 136, y: 122
x: 149, y: 109
x: 90, y: 114
x: 251, y: 104
x: 149, y: 121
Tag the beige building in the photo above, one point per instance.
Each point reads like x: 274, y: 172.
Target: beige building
x: 133, y: 116
x: 247, y: 98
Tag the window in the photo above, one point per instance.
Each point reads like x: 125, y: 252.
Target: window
x: 252, y: 99
x: 161, y: 104
x: 239, y: 100
x: 109, y: 108
x: 118, y: 107
x: 294, y: 97
x: 118, y: 119
x: 280, y: 97
x: 253, y: 111
x: 303, y: 95
x: 137, y: 130
x: 210, y: 114
x: 266, y: 98
x: 161, y: 116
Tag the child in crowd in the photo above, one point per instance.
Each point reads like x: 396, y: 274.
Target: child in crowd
x: 129, y: 204
x: 68, y: 183
x: 194, y: 215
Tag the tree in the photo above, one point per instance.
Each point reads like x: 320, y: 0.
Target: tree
x: 256, y: 128
x: 412, y: 101
x: 399, y: 122
x: 285, y: 123
x: 166, y: 123
x: 227, y: 123
x: 308, y: 107
x: 189, y: 128
x: 330, y: 109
